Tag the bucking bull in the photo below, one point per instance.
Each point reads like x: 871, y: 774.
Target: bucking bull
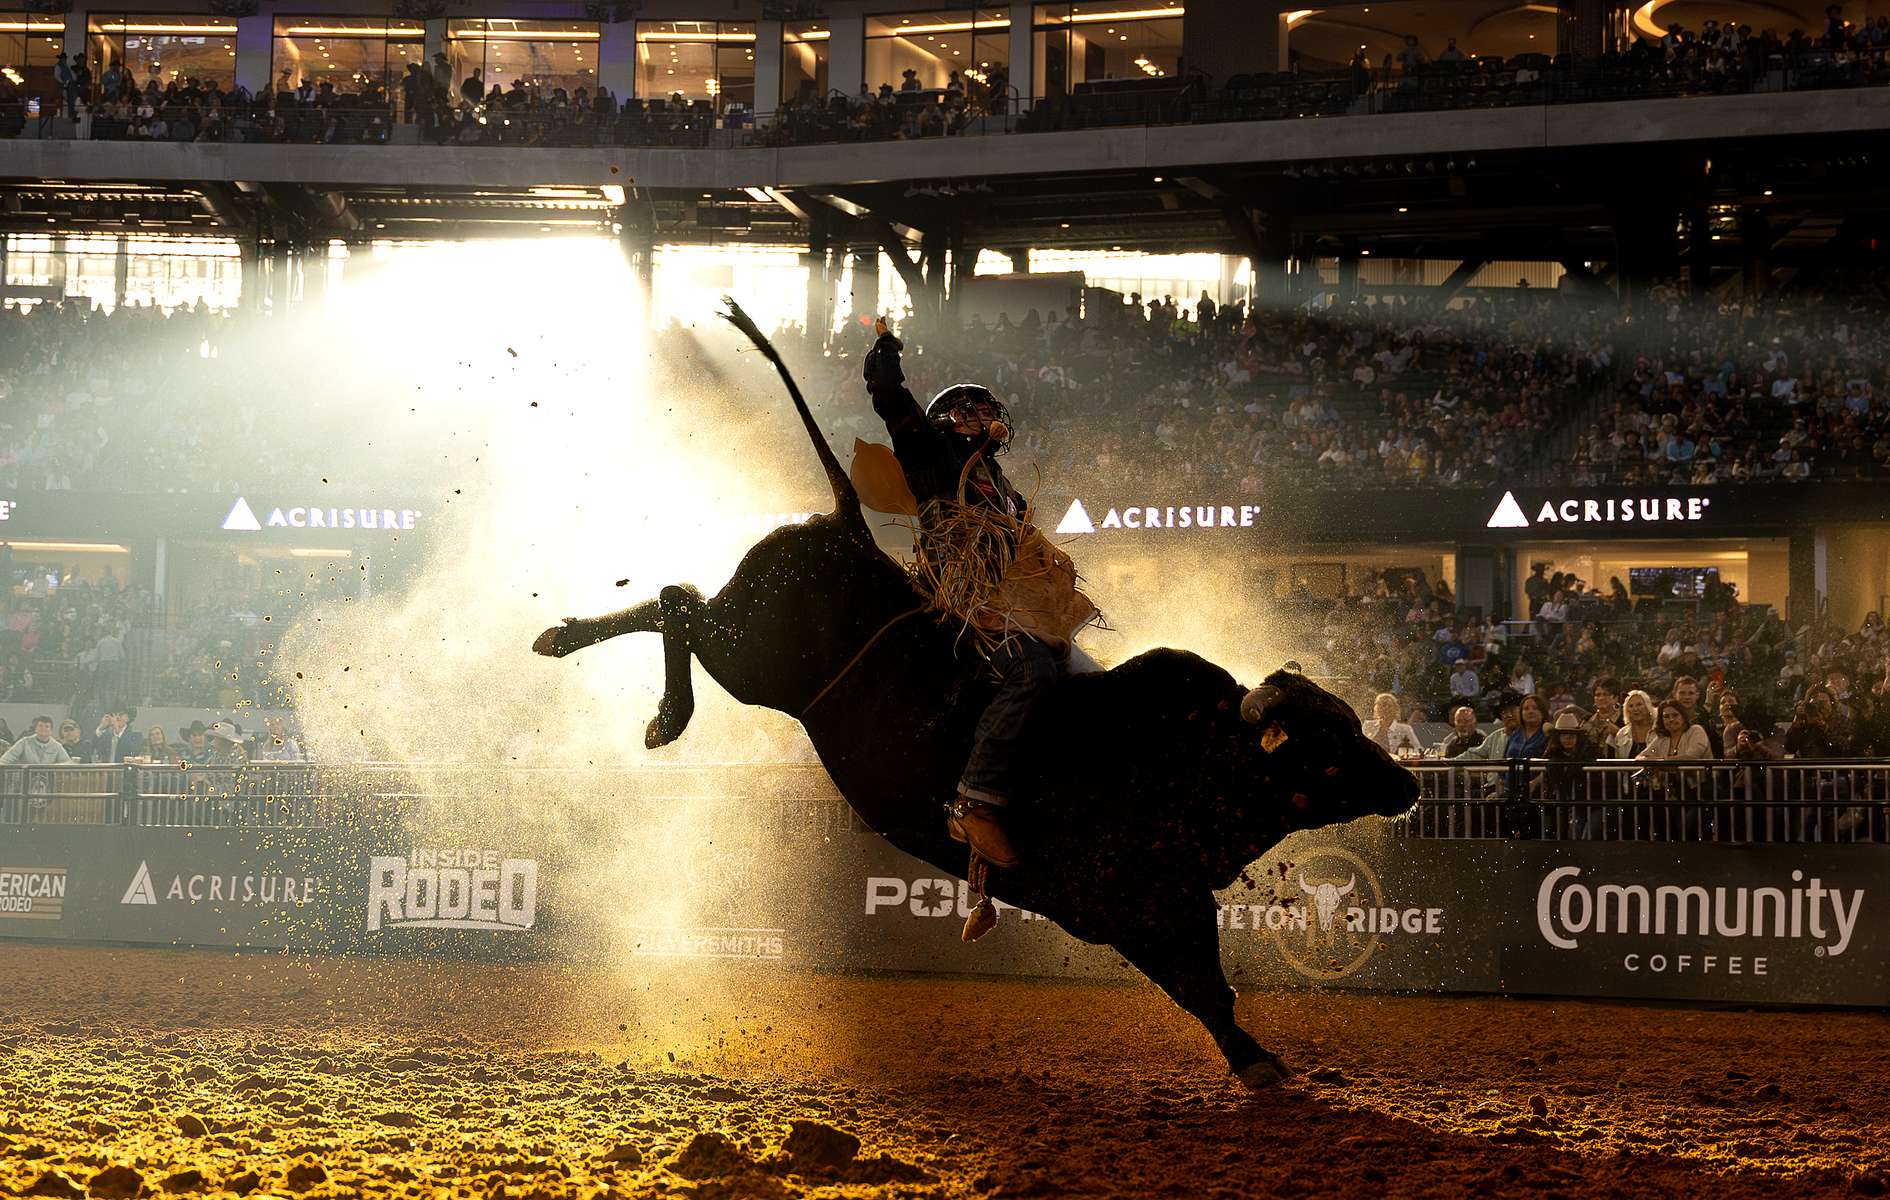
x: 1155, y: 783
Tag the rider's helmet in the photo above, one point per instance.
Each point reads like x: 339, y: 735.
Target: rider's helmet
x: 939, y: 412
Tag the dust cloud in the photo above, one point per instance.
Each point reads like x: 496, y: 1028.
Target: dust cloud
x: 574, y: 467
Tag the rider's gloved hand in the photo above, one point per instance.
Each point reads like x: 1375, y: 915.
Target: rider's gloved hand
x: 882, y: 363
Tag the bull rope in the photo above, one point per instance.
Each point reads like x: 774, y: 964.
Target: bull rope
x: 855, y: 660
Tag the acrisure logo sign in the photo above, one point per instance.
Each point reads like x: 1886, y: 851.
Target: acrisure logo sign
x: 242, y: 518
x: 32, y: 893
x: 1077, y: 518
x: 1341, y: 918
x: 1604, y: 511
x: 148, y: 890
x: 1731, y: 928
x: 452, y: 887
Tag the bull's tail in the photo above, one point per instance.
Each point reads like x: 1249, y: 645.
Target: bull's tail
x: 846, y: 500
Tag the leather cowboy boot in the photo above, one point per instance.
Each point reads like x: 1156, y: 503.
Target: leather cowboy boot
x: 975, y: 822
x: 983, y: 917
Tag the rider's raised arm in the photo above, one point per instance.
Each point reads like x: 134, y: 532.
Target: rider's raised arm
x: 919, y: 447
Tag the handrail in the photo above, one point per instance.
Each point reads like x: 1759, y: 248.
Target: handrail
x: 1720, y: 800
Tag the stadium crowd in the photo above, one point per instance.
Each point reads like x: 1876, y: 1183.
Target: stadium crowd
x: 1517, y: 386
x: 1754, y: 687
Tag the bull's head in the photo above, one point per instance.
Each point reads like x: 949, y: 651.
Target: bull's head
x: 1326, y: 897
x: 1314, y: 747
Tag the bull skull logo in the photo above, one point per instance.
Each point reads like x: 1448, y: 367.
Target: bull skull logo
x: 1326, y: 897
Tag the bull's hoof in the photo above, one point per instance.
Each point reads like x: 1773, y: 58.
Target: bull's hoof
x: 664, y: 728
x: 556, y: 642
x: 1264, y: 1073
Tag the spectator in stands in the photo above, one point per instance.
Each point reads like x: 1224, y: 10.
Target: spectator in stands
x: 1570, y: 749
x: 157, y: 748
x: 1531, y: 736
x: 197, y: 752
x: 1522, y: 680
x: 37, y: 749
x: 1679, y: 737
x: 73, y: 739
x: 1638, y: 717
x: 1464, y: 684
x: 1686, y: 693
x: 1411, y: 58
x: 226, y: 744
x: 1605, y: 720
x: 1388, y: 729
x: 1810, y: 734
x: 114, y: 739
x: 278, y: 746
x: 1464, y: 735
x: 1496, y: 745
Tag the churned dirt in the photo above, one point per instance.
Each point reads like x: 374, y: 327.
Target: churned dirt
x: 152, y: 1072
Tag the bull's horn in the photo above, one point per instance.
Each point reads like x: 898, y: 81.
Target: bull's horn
x: 1253, y: 707
x: 1351, y: 881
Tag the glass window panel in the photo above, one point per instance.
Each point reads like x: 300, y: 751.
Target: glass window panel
x: 29, y: 46
x: 352, y: 54
x: 804, y: 56
x: 697, y: 60
x: 166, y: 47
x: 934, y: 44
x: 529, y: 59
x: 1114, y: 39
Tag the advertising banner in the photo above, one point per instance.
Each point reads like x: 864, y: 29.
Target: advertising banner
x: 1351, y: 907
x: 1803, y: 924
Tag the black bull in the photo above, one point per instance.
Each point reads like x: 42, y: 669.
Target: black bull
x: 1147, y: 791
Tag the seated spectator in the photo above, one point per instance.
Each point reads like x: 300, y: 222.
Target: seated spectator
x: 157, y: 748
x: 1388, y: 730
x: 1678, y: 738
x: 278, y: 746
x: 1531, y: 736
x: 1464, y: 734
x: 73, y: 739
x: 1464, y: 683
x: 1569, y: 750
x: 37, y: 749
x: 197, y: 751
x: 1638, y: 720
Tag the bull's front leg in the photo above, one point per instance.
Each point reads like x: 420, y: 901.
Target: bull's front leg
x: 1184, y: 960
x: 579, y: 632
x: 681, y: 613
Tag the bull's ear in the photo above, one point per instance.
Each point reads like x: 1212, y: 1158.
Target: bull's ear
x: 1254, y: 706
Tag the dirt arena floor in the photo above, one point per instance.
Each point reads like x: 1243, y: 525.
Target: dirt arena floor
x: 154, y: 1072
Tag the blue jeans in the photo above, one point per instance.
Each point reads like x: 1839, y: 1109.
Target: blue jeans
x: 1027, y: 673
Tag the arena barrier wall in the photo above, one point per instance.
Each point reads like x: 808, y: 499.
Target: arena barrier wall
x: 797, y: 882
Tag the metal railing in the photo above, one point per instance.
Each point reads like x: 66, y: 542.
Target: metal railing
x: 1789, y: 800
x: 1708, y: 801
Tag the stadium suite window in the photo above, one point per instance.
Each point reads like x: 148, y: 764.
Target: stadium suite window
x: 29, y: 46
x: 1117, y: 39
x: 167, y: 47
x: 804, y: 46
x: 697, y: 60
x: 542, y: 56
x: 349, y: 52
x: 974, y: 42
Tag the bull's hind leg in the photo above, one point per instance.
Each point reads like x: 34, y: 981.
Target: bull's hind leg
x: 682, y: 609
x: 1185, y: 962
x: 579, y: 632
